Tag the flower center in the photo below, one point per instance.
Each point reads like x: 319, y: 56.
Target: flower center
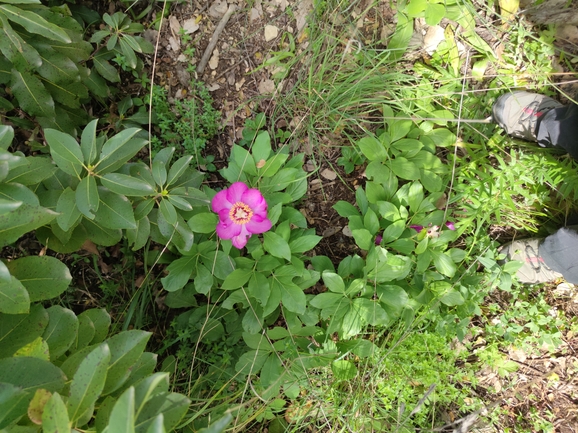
x: 240, y: 213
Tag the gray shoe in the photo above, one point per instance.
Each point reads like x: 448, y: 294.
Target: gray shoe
x: 533, y: 270
x: 517, y: 112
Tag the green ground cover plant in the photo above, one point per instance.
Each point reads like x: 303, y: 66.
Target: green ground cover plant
x: 275, y: 332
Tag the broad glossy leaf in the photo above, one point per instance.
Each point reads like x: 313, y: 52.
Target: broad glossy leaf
x: 65, y: 151
x: 114, y: 211
x: 18, y: 330
x: 88, y: 382
x: 168, y: 211
x: 34, y: 23
x: 178, y: 169
x: 334, y: 282
x: 21, y: 54
x: 6, y: 136
x: 13, y: 404
x: 118, y: 150
x: 129, y: 55
x: 363, y: 238
x: 343, y: 370
x: 101, y: 321
x: 173, y: 406
x: 292, y: 296
x: 404, y: 168
x: 85, y: 334
x: 31, y: 374
x: 87, y: 199
x: 55, y: 416
x: 88, y: 142
x: 372, y: 148
x: 69, y: 213
x: 204, y: 222
x: 61, y: 330
x: 126, y: 185
x: 303, y: 244
x: 31, y: 94
x: 139, y: 237
x: 101, y: 235
x: 179, y: 202
x: 14, y: 298
x: 35, y: 170
x: 125, y: 348
x: 180, y: 271
x: 143, y: 367
x: 157, y: 383
x: 105, y: 69
x: 122, y: 416
x: 159, y: 172
x: 37, y: 349
x: 36, y: 406
x: 237, y: 279
x: 157, y: 425
x: 56, y: 67
x: 44, y: 277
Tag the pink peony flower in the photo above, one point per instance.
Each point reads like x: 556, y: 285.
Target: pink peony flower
x: 242, y: 213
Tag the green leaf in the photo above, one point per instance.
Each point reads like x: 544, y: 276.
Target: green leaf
x: 443, y: 263
x: 85, y: 334
x: 55, y: 416
x: 276, y: 245
x: 345, y: 209
x: 372, y: 148
x: 203, y: 280
x: 6, y: 136
x: 393, y: 296
x: 126, y: 185
x: 159, y: 173
x: 271, y: 371
x: 18, y: 330
x: 14, y: 298
x: 452, y: 298
x: 178, y: 169
x: 404, y: 168
x: 333, y: 281
x: 69, y: 213
x: 125, y: 348
x: 139, y: 237
x: 31, y: 374
x: 44, y: 277
x: 393, y: 268
x: 122, y: 416
x: 105, y: 69
x: 292, y: 295
x: 363, y: 238
x: 118, y: 150
x: 22, y: 220
x: 33, y: 172
x: 168, y: 211
x: 343, y: 370
x: 371, y: 222
x: 31, y: 94
x: 34, y: 23
x: 13, y: 404
x: 244, y: 160
x: 304, y: 243
x: 88, y: 142
x: 180, y: 271
x: 88, y: 382
x: 61, y: 330
x: 434, y: 13
x: 65, y: 151
x: 114, y: 211
x: 238, y: 278
x: 205, y: 222
x: 87, y: 199
x: 128, y: 53
x: 101, y: 235
x: 101, y: 322
x: 261, y: 147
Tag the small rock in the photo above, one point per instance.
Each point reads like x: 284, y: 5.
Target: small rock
x: 271, y: 32
x: 328, y: 174
x: 254, y: 14
x: 266, y: 87
x: 218, y: 9
x: 213, y: 87
x: 190, y: 26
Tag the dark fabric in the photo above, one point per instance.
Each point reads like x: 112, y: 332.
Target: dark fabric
x: 559, y: 128
x: 560, y: 252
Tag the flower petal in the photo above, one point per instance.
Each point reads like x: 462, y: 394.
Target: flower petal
x: 239, y: 241
x: 450, y: 225
x: 220, y: 202
x: 235, y: 192
x: 258, y: 224
x: 227, y: 231
x: 255, y: 200
x: 416, y: 228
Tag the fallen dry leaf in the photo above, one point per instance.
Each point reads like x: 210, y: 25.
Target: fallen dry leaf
x: 89, y: 246
x: 261, y: 163
x: 190, y: 26
x: 214, y: 60
x: 266, y: 87
x: 328, y: 174
x: 218, y: 9
x: 175, y: 26
x: 271, y: 32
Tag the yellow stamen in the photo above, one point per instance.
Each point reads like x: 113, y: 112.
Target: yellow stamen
x: 240, y: 213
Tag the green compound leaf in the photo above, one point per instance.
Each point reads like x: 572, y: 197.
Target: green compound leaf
x: 65, y: 151
x: 88, y: 382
